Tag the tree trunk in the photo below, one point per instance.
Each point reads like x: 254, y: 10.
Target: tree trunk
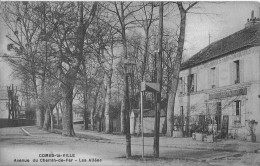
x: 67, y: 116
x: 47, y: 119
x: 61, y: 111
x: 107, y: 103
x: 123, y: 115
x: 58, y: 117
x: 40, y: 116
x: 67, y: 95
x: 52, y: 123
x: 101, y: 110
x: 85, y: 111
x: 93, y: 110
x: 175, y: 76
x: 171, y: 102
x: 92, y: 118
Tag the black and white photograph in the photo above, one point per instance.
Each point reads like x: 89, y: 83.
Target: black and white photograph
x: 130, y: 83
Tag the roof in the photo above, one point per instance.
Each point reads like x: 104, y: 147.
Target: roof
x: 245, y: 38
x: 149, y: 113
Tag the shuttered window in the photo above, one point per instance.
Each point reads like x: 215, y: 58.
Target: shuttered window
x: 192, y: 82
x: 195, y: 82
x: 237, y: 71
x: 212, y: 77
x: 181, y: 85
x: 241, y: 70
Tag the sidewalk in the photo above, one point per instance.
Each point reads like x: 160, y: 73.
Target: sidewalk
x: 183, y: 143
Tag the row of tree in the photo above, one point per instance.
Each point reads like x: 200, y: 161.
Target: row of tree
x: 66, y: 50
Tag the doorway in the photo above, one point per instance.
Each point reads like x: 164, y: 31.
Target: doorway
x: 218, y: 116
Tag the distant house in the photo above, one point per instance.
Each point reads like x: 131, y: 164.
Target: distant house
x: 148, y: 120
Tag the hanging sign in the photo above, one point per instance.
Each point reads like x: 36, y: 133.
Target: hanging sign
x: 150, y: 87
x: 231, y: 93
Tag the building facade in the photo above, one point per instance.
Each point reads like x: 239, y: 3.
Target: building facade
x: 221, y: 84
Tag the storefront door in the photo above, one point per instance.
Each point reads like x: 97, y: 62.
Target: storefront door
x: 218, y: 116
x: 224, y: 129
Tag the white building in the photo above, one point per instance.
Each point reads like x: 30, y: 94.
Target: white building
x: 222, y: 82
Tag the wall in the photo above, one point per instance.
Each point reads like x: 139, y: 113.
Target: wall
x: 16, y: 123
x: 148, y: 124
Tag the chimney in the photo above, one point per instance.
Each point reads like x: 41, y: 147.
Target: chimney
x: 252, y: 14
x: 253, y: 20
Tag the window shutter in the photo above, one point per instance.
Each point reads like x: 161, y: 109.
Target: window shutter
x: 184, y: 85
x: 209, y: 78
x: 241, y: 69
x: 179, y: 85
x: 217, y: 77
x: 195, y: 82
x: 188, y: 83
x: 232, y: 73
x: 242, y: 112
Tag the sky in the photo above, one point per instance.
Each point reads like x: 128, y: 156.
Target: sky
x: 221, y: 19
x: 217, y: 19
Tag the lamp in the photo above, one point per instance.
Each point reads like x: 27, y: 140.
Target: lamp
x: 129, y: 65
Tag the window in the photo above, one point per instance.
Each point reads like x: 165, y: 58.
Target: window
x: 238, y: 111
x: 181, y: 111
x: 191, y: 83
x: 237, y: 72
x: 181, y: 85
x: 213, y: 77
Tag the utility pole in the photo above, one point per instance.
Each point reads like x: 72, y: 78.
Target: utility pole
x: 159, y: 81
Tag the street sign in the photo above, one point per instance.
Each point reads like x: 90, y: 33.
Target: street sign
x: 150, y: 87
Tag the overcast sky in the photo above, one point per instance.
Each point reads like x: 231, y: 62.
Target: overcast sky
x: 219, y: 19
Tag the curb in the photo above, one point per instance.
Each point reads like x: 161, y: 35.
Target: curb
x: 26, y: 132
x: 111, y: 141
x: 214, y: 148
x: 223, y: 156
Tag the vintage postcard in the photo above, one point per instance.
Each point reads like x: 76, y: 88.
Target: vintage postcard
x: 129, y: 83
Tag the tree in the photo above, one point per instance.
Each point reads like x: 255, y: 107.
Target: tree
x: 146, y: 17
x: 24, y: 55
x: 177, y: 65
x: 123, y: 12
x: 106, y: 41
x: 69, y: 29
